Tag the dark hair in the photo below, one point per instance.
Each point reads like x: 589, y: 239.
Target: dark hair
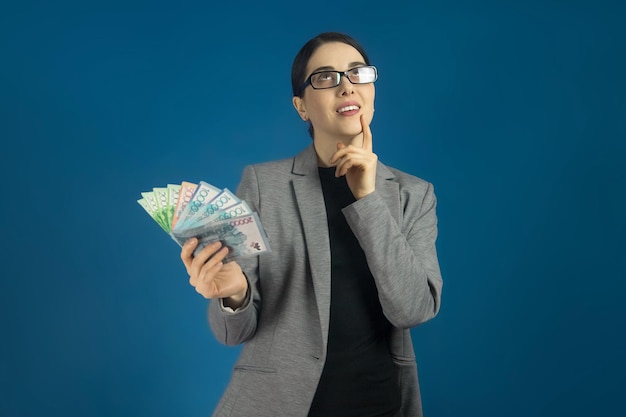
x: 298, y: 68
x: 300, y: 62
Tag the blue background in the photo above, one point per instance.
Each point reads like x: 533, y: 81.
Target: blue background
x: 515, y: 110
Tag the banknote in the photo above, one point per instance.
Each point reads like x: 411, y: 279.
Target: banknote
x: 202, y: 196
x: 244, y: 236
x: 150, y: 200
x: 233, y: 211
x: 224, y: 200
x: 184, y: 197
x: 160, y: 196
x: 173, y: 191
x: 143, y: 202
x: 208, y: 213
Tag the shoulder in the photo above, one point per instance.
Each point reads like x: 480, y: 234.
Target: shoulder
x: 407, y: 182
x: 269, y: 170
x: 278, y: 164
x: 416, y: 194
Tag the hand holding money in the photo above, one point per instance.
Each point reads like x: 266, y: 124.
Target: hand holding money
x: 209, y: 214
x: 211, y: 277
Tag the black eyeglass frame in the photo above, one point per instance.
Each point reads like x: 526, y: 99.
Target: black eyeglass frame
x: 341, y: 74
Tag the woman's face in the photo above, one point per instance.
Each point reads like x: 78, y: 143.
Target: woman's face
x: 332, y: 111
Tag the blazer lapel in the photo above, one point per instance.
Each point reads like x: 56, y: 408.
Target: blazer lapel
x: 310, y: 200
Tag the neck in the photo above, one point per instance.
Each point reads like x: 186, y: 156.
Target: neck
x: 325, y: 147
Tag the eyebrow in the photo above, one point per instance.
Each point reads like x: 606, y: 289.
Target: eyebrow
x: 330, y: 68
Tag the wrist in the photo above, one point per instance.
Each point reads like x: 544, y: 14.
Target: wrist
x: 235, y: 301
x: 363, y: 194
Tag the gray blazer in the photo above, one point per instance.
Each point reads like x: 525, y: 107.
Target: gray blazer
x: 284, y: 322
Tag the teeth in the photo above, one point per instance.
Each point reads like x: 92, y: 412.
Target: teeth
x: 348, y: 108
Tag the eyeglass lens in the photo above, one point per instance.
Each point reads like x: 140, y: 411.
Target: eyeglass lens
x: 329, y: 79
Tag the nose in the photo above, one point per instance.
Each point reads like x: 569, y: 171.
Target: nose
x: 345, y: 87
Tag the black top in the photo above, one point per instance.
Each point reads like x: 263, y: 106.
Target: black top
x: 359, y: 378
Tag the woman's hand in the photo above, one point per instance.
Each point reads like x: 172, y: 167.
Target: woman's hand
x: 211, y: 277
x: 357, y: 163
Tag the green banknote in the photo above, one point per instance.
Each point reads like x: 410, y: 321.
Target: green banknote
x: 150, y: 200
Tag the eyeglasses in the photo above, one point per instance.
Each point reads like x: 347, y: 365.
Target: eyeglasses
x: 330, y: 79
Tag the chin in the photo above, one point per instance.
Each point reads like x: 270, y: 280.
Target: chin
x: 350, y: 129
x: 351, y: 133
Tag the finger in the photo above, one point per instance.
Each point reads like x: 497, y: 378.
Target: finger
x: 206, y: 288
x: 367, y: 134
x: 343, y: 167
x: 348, y: 153
x: 208, y: 270
x: 203, y: 256
x: 186, y: 253
x: 209, y: 250
x: 211, y: 268
x: 217, y: 258
x: 205, y: 278
x: 338, y: 154
x: 344, y: 151
x: 349, y: 162
x: 341, y: 159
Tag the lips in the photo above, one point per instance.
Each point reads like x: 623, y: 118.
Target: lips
x: 349, y: 108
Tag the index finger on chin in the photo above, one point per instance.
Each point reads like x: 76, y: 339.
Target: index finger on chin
x: 367, y: 134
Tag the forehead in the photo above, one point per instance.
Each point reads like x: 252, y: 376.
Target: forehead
x: 337, y: 55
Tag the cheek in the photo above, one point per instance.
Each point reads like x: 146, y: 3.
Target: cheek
x: 318, y: 108
x: 370, y: 108
x: 369, y: 97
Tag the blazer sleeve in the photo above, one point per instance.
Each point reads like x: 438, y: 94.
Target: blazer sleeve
x: 402, y: 257
x: 233, y: 328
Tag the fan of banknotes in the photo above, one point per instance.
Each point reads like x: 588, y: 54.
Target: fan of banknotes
x: 207, y: 213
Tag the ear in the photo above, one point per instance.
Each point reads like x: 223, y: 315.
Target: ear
x: 298, y: 104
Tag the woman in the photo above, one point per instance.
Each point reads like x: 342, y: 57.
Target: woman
x: 325, y: 317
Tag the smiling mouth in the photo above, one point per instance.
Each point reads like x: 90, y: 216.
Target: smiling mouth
x: 347, y: 108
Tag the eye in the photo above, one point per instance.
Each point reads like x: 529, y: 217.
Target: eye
x: 362, y: 75
x: 325, y: 76
x: 324, y: 79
